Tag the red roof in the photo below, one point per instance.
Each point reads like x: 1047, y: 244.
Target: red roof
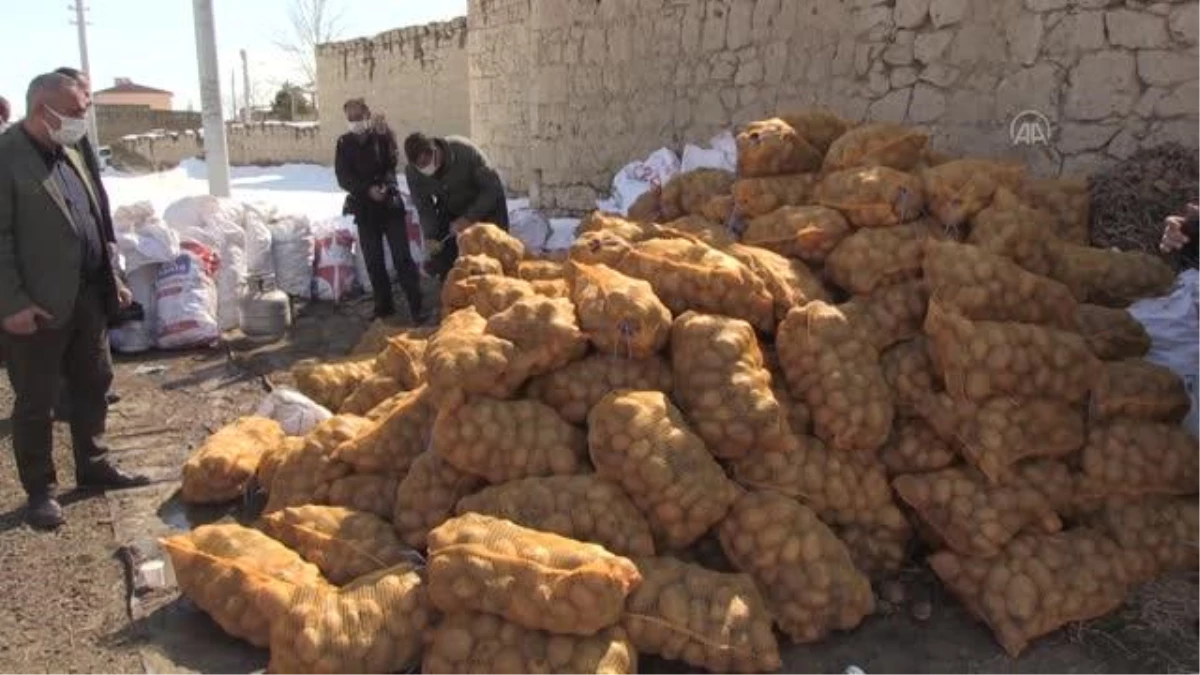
x: 125, y: 86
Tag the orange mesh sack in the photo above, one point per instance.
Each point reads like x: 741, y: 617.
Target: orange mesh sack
x: 985, y: 359
x: 809, y: 233
x: 227, y: 569
x: 1132, y: 457
x: 799, y: 418
x: 374, y: 625
x: 648, y: 207
x: 1112, y: 334
x: 713, y: 233
x: 832, y: 365
x: 344, y: 544
x: 330, y: 383
x: 849, y: 492
x: 374, y: 338
x: 817, y: 126
x: 1162, y: 529
x: 304, y: 477
x: 872, y: 258
x: 392, y: 443
x: 910, y: 374
x: 914, y: 447
x: 873, y: 196
x: 876, y: 144
x: 272, y: 457
x: 710, y: 620
x: 772, y: 147
x: 545, y: 332
x: 426, y: 496
x: 640, y: 441
x: 583, y: 507
x: 369, y: 393
x: 370, y: 492
x: 463, y: 360
x: 957, y: 190
x: 222, y: 467
x: 789, y: 281
x: 403, y: 359
x: 806, y: 573
x: 981, y: 285
x: 484, y: 644
x: 552, y: 288
x: 488, y: 239
x: 620, y: 315
x: 603, y: 246
x: 890, y: 314
x: 457, y: 294
x: 540, y: 270
x: 1112, y: 278
x: 505, y: 440
x: 535, y: 579
x: 489, y: 294
x: 575, y: 389
x: 1016, y: 234
x: 1139, y: 389
x: 1067, y: 200
x: 753, y: 197
x: 718, y: 209
x: 688, y: 192
x: 611, y: 223
x: 1038, y: 583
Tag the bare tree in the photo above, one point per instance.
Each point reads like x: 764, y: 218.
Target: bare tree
x: 313, y: 22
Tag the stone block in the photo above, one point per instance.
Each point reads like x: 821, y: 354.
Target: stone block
x: 1184, y: 23
x: 928, y: 104
x: 765, y: 12
x: 904, y: 76
x: 1046, y: 5
x: 1024, y: 34
x: 864, y: 20
x: 892, y: 107
x: 741, y: 15
x: 1102, y: 84
x: 775, y: 62
x: 910, y: 13
x: 929, y: 47
x: 1074, y: 33
x: 947, y: 12
x: 724, y: 65
x: 1149, y: 99
x: 877, y: 83
x: 1164, y: 68
x: 750, y: 72
x: 1134, y: 29
x: 712, y: 37
x: 939, y: 74
x: 1181, y: 131
x: 1076, y: 137
x: 898, y: 54
x: 1180, y: 101
x: 1084, y: 163
x: 1036, y: 88
x: 1127, y: 140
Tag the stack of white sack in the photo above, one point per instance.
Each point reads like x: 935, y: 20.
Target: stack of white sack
x: 144, y: 243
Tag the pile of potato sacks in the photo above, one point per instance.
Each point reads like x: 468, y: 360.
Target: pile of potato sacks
x: 854, y: 352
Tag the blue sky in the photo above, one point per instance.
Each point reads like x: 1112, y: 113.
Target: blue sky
x: 153, y: 42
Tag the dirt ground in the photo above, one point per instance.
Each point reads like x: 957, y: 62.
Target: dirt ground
x: 74, y: 601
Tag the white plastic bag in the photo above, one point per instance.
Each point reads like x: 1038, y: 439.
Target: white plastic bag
x: 293, y: 252
x: 143, y: 238
x: 530, y: 226
x: 1173, y: 321
x: 562, y: 233
x: 186, y: 299
x: 295, y: 412
x: 636, y: 178
x: 217, y: 223
x: 259, y: 261
x: 134, y: 337
x: 335, y: 276
x: 721, y: 154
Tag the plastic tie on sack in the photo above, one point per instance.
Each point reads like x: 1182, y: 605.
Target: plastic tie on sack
x: 736, y: 224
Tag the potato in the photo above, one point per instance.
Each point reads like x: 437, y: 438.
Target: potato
x: 872, y: 196
x: 687, y: 192
x: 819, y: 126
x: 641, y: 442
x: 789, y: 281
x: 891, y: 314
x: 534, y: 579
x: 391, y: 444
x: 772, y: 147
x: 457, y: 294
x: 958, y: 189
x: 545, y: 332
x: 1111, y: 278
x: 598, y: 221
x: 1141, y: 390
x: 1112, y: 334
x: 488, y: 293
x: 426, y: 496
x: 909, y: 372
x: 833, y: 367
x: 915, y: 448
x: 884, y: 144
x: 330, y: 383
x: 809, y: 233
x: 723, y: 386
x: 620, y: 315
x: 462, y: 360
x: 273, y: 456
x: 753, y: 197
x: 1007, y: 228
x: 483, y: 644
x: 343, y: 543
x: 540, y: 270
x: 403, y: 359
x: 227, y: 569
x: 583, y: 507
x: 1067, y: 200
x: 505, y: 440
x: 304, y: 477
x: 488, y: 239
x: 1161, y: 529
x: 370, y: 492
x: 1133, y: 457
x: 576, y: 388
x: 798, y: 417
x: 872, y: 258
x: 221, y: 468
x: 710, y: 620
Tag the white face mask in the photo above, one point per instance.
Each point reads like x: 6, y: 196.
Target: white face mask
x: 70, y: 129
x: 4, y: 127
x: 358, y: 127
x: 428, y: 170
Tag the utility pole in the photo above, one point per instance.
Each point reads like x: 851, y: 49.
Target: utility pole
x: 233, y: 113
x: 216, y: 148
x: 81, y: 23
x: 247, y: 100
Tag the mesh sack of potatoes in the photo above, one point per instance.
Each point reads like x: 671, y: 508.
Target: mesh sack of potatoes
x: 850, y: 492
x: 772, y: 147
x: 914, y: 447
x: 1067, y: 200
x: 971, y: 516
x: 386, y: 406
x: 372, y: 391
x: 640, y: 441
x: 374, y: 338
x: 610, y: 223
x: 830, y: 363
x: 505, y: 440
x: 984, y: 359
x: 687, y: 193
x: 1112, y: 333
x: 374, y: 625
x: 1038, y: 583
x: 489, y: 293
x: 713, y: 233
x: 485, y: 644
x: 1163, y: 528
x: 620, y: 315
x: 1111, y: 278
x: 426, y: 496
x: 461, y: 360
x: 872, y: 196
x: 225, y: 569
x: 552, y: 288
x: 872, y: 258
x: 883, y: 144
x: 1139, y: 389
x: 273, y: 456
x: 1015, y: 234
x: 981, y: 285
x: 545, y: 332
x: 799, y: 419
x: 603, y: 247
x: 330, y: 383
x: 1134, y: 457
x: 391, y: 444
x: 1059, y: 484
x: 540, y: 270
x: 454, y: 294
x: 818, y: 126
x: 221, y: 468
x: 488, y: 239
x: 583, y: 507
x: 370, y: 492
x: 931, y: 156
x: 890, y: 314
x: 957, y: 190
x: 789, y: 281
x: 753, y: 197
x: 343, y: 543
x: 304, y: 476
x: 536, y: 579
x: 809, y: 233
x: 909, y: 372
x: 403, y: 359
x: 806, y: 573
x: 572, y: 391
x: 648, y: 207
x: 715, y: 621
x: 718, y: 209
x: 723, y: 386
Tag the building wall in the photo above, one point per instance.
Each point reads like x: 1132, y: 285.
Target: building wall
x: 500, y: 61
x: 267, y: 143
x: 150, y: 100
x: 117, y: 121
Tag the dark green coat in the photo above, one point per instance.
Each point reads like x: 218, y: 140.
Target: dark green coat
x: 466, y: 186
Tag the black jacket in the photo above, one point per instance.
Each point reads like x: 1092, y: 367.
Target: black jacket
x: 92, y: 160
x: 465, y: 186
x: 363, y: 161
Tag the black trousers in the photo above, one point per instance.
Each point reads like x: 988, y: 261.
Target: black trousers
x: 74, y: 355
x: 375, y: 223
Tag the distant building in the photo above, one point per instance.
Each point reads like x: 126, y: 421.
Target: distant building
x: 125, y: 92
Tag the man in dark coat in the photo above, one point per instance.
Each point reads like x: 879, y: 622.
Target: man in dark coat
x: 365, y: 163
x: 453, y: 187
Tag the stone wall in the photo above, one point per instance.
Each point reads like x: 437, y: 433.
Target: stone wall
x: 114, y: 122
x: 501, y: 83
x: 266, y: 143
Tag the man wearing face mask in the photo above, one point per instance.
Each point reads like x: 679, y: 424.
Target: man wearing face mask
x: 58, y: 290
x: 365, y: 164
x: 453, y: 187
x: 5, y: 114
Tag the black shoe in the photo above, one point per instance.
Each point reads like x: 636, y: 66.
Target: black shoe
x: 106, y: 476
x: 113, y: 398
x: 44, y: 513
x: 381, y: 314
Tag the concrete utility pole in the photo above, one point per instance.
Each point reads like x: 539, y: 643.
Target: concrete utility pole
x: 216, y: 148
x: 247, y: 99
x: 233, y: 113
x: 84, y: 65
